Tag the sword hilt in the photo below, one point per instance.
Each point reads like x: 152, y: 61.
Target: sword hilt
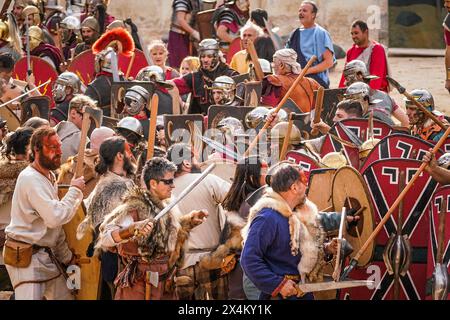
x: 353, y: 263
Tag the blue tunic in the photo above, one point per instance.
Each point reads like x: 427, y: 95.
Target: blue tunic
x: 266, y: 257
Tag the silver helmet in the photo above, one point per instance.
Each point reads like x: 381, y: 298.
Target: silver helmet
x: 358, y: 91
x: 259, y: 115
x: 209, y: 47
x: 136, y: 99
x: 227, y: 86
x: 65, y: 80
x: 150, y: 73
x: 69, y: 25
x: 103, y: 60
x: 232, y: 126
x: 352, y: 69
x: 423, y: 96
x: 131, y: 124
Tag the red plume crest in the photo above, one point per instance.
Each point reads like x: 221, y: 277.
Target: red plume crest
x: 115, y: 35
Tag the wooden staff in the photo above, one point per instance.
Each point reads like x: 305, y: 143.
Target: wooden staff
x: 282, y: 102
x: 318, y: 109
x: 152, y: 128
x: 287, y: 138
x: 254, y: 56
x: 399, y: 199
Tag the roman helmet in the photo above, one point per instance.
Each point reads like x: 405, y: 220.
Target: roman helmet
x: 227, y: 86
x: 360, y: 91
x: 210, y: 46
x: 231, y: 126
x: 425, y: 98
x: 136, y: 99
x: 65, y: 80
x: 36, y: 36
x: 280, y: 131
x: 131, y: 129
x: 69, y: 25
x: 32, y: 10
x: 259, y: 115
x: 353, y: 68
x: 153, y: 74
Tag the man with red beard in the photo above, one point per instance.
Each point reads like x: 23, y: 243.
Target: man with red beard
x: 36, y: 250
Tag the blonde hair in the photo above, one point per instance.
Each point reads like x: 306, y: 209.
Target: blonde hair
x: 157, y: 44
x: 192, y: 62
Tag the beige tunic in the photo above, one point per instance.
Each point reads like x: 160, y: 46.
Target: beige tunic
x: 207, y: 195
x: 37, y: 217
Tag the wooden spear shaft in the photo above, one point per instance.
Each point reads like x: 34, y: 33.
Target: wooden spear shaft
x: 400, y: 198
x: 282, y: 102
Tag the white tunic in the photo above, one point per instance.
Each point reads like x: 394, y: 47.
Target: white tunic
x: 37, y: 217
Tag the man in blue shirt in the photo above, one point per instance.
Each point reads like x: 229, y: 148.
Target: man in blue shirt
x: 281, y: 237
x: 311, y: 39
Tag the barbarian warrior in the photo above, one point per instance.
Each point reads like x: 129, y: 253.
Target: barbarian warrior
x: 90, y: 32
x: 150, y: 249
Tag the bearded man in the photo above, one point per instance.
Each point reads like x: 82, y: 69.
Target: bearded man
x: 90, y: 32
x: 37, y: 217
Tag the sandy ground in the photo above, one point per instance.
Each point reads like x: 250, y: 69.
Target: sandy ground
x: 412, y: 73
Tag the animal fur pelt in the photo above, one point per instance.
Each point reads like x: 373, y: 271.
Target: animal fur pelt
x: 9, y: 171
x: 106, y: 196
x: 169, y: 233
x: 231, y: 242
x: 303, y: 230
x: 113, y: 36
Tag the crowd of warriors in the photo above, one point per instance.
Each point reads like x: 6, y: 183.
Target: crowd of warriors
x: 223, y: 241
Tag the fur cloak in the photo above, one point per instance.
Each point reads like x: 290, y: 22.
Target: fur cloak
x: 106, y: 196
x: 304, y: 228
x: 169, y: 234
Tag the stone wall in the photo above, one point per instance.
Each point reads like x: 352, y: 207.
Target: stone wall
x: 153, y: 16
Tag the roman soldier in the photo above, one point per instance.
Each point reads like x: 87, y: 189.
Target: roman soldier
x: 136, y: 100
x: 224, y: 92
x: 356, y: 71
x: 69, y: 29
x: 33, y: 16
x: 211, y: 68
x: 150, y: 249
x: 131, y: 129
x: 64, y: 89
x: 422, y: 126
x: 182, y: 30
x: 97, y: 9
x: 229, y: 19
x: 106, y: 49
x: 40, y: 48
x: 10, y: 41
x: 90, y: 32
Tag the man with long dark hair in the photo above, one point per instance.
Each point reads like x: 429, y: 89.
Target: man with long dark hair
x: 37, y: 217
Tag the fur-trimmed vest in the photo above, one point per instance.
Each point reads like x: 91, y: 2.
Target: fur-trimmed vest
x: 168, y: 235
x: 304, y: 228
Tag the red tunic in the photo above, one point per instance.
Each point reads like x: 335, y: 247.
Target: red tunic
x: 378, y: 65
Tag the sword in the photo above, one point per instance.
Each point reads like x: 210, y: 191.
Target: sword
x: 303, y: 288
x: 353, y: 137
x: 337, y: 268
x: 185, y: 192
x: 221, y: 148
x: 24, y: 94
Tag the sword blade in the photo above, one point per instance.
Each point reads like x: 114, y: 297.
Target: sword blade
x: 27, y: 39
x: 331, y: 285
x: 221, y: 148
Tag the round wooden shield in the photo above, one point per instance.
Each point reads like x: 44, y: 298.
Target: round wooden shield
x: 130, y: 66
x: 83, y: 66
x: 319, y: 188
x: 224, y: 169
x: 42, y: 72
x: 12, y: 120
x: 350, y: 190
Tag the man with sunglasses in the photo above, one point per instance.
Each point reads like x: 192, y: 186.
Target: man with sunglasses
x: 70, y: 131
x: 150, y: 249
x: 37, y: 217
